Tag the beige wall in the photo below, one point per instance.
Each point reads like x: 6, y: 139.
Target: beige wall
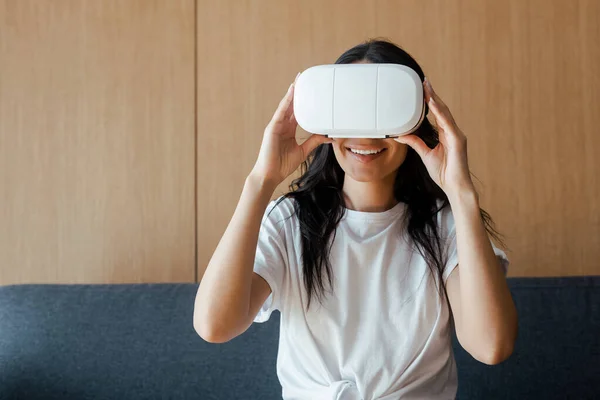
x: 522, y: 78
x: 96, y: 141
x: 98, y: 121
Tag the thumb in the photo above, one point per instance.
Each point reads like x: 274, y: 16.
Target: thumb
x: 416, y: 143
x: 313, y: 142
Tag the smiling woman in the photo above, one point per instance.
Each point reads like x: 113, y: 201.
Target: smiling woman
x: 373, y: 230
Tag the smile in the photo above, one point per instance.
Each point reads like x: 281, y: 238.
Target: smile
x: 366, y: 151
x: 366, y: 155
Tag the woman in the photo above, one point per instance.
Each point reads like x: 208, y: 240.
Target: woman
x: 371, y: 259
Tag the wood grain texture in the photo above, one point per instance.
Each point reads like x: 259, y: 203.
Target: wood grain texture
x: 521, y: 77
x: 97, y: 141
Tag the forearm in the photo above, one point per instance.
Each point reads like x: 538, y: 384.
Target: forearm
x: 489, y: 317
x: 223, y: 296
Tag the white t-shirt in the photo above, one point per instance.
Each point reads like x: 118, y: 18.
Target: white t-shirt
x: 383, y: 334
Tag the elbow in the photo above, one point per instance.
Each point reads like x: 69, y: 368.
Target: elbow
x: 216, y: 327
x: 207, y: 324
x: 494, y: 355
x: 210, y: 331
x: 496, y: 350
x: 216, y: 324
x: 500, y: 343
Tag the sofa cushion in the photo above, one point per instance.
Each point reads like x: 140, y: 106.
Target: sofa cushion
x: 124, y: 342
x: 138, y: 342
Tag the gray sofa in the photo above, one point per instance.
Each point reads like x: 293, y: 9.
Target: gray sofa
x: 137, y: 342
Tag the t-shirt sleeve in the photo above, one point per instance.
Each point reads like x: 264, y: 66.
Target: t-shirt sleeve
x: 449, y: 237
x: 270, y: 261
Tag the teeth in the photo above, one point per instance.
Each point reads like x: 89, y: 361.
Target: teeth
x: 365, y: 152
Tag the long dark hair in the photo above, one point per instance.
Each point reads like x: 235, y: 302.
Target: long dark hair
x: 319, y: 203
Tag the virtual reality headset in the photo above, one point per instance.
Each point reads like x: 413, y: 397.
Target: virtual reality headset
x: 359, y: 100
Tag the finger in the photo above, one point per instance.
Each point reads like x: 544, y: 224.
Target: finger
x: 284, y: 105
x: 436, y: 99
x: 416, y: 143
x: 293, y: 123
x: 432, y: 94
x: 448, y: 131
x: 290, y: 110
x: 441, y: 119
x: 426, y: 91
x: 313, y: 142
x: 441, y: 114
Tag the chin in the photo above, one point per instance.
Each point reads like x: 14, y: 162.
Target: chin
x: 365, y: 176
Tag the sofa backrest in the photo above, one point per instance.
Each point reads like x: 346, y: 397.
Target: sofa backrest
x: 138, y: 342
x: 557, y: 353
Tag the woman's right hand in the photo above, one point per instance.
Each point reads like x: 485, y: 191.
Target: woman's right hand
x: 280, y: 154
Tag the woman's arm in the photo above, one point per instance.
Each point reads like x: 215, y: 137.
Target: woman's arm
x: 485, y: 316
x: 484, y: 313
x: 230, y: 294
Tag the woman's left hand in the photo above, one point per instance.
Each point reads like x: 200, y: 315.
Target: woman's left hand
x: 446, y: 163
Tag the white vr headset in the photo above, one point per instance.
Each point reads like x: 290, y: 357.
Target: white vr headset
x: 359, y: 100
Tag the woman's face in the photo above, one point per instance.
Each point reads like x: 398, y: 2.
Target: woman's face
x: 368, y: 160
x: 369, y: 167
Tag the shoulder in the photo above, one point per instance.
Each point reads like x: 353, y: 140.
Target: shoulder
x: 444, y: 217
x: 279, y: 211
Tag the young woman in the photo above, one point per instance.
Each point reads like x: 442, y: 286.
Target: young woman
x: 371, y: 259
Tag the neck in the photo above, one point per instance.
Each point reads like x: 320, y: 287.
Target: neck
x: 375, y: 196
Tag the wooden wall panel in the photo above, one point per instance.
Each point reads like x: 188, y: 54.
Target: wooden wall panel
x: 521, y: 77
x: 97, y: 141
